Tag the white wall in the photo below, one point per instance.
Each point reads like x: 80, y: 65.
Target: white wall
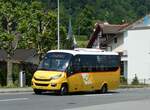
x: 125, y: 37
x: 138, y: 47
x: 117, y: 47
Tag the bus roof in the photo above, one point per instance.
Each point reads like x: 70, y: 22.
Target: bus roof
x: 83, y: 51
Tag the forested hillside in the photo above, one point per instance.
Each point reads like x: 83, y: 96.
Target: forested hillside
x: 85, y: 12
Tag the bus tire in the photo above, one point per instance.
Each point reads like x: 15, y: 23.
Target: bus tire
x: 63, y: 89
x: 37, y: 91
x: 104, y: 89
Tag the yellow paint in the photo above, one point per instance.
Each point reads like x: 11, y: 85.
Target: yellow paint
x: 87, y: 81
x: 47, y: 75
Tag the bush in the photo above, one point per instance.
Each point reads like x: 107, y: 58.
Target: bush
x: 135, y: 80
x: 123, y: 80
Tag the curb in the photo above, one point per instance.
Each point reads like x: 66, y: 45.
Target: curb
x: 14, y: 90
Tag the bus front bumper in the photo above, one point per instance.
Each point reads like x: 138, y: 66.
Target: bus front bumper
x: 46, y: 86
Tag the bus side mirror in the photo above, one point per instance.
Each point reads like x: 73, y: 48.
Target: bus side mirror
x: 71, y: 72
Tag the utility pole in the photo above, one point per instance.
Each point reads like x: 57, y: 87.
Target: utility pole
x: 58, y: 37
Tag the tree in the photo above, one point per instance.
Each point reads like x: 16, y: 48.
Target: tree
x: 112, y: 11
x: 84, y: 21
x: 40, y: 29
x: 135, y: 80
x: 9, y: 13
x: 27, y: 25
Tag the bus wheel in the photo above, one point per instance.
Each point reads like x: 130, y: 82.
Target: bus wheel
x: 64, y: 90
x: 104, y: 89
x: 37, y: 91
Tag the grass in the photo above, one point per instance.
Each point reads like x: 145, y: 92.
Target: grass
x: 82, y: 41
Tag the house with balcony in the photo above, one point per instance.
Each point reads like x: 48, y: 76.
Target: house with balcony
x: 132, y: 42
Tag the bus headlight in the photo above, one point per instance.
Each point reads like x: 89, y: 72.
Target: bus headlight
x: 56, y: 76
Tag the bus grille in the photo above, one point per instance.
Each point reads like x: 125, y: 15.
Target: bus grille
x: 37, y: 84
x: 37, y: 79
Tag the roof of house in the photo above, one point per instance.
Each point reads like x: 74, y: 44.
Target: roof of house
x: 23, y: 54
x: 142, y: 23
x: 113, y: 29
x: 105, y: 29
x: 19, y: 54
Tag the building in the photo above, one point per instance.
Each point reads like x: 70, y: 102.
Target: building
x: 21, y: 59
x: 21, y: 55
x: 133, y: 43
x: 103, y: 32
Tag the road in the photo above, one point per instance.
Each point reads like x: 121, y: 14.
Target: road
x: 123, y: 99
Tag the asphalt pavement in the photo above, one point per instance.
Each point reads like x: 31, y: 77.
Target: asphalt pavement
x: 124, y: 99
x: 128, y: 105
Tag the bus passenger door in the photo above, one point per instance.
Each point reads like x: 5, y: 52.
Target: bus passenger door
x: 75, y: 82
x: 74, y: 78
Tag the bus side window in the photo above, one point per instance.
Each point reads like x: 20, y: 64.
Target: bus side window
x: 70, y: 68
x: 77, y: 63
x: 74, y: 66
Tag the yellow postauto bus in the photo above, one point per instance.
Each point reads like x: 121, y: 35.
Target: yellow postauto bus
x: 65, y: 71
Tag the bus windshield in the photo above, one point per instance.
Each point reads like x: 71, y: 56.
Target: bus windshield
x: 55, y: 61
